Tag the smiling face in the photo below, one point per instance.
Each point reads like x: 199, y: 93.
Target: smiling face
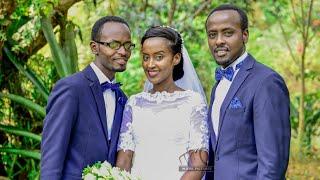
x: 225, y: 38
x: 111, y: 60
x: 158, y: 61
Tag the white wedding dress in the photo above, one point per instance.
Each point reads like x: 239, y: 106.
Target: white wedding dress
x: 160, y: 128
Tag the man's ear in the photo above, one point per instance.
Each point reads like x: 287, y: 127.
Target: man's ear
x: 176, y: 58
x: 245, y: 35
x: 94, y: 48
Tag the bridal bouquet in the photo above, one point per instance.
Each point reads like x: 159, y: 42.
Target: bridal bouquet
x: 104, y: 171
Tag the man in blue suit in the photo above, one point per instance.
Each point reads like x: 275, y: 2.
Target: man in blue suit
x: 249, y: 110
x: 84, y: 110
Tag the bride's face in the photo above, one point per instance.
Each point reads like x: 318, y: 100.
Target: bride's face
x: 158, y: 60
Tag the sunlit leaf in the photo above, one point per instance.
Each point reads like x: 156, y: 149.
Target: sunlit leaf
x: 20, y: 132
x: 26, y: 103
x: 22, y: 152
x: 27, y: 72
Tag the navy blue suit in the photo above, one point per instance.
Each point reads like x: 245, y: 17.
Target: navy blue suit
x: 254, y: 138
x: 75, y: 128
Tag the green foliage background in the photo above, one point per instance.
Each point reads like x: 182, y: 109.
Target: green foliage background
x: 35, y: 70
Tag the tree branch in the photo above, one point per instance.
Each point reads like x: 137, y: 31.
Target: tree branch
x: 171, y: 12
x: 306, y: 39
x: 302, y: 20
x: 202, y: 7
x: 295, y: 17
x: 205, y: 4
x: 40, y: 40
x: 286, y: 39
x: 145, y: 5
x: 64, y: 5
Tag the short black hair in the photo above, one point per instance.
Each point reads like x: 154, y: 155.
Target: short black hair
x: 97, y: 27
x: 176, y: 45
x: 242, y: 14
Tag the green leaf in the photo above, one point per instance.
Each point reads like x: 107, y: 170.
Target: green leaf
x: 70, y: 48
x: 20, y: 132
x: 58, y: 56
x: 16, y: 24
x: 27, y: 72
x: 26, y: 103
x: 27, y: 153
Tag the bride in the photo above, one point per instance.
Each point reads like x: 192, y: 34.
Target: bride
x: 164, y: 133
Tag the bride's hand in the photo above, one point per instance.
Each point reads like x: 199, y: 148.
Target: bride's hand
x: 124, y: 160
x: 197, y: 162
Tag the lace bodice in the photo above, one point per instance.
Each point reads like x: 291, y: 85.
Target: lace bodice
x: 162, y: 102
x: 172, y: 122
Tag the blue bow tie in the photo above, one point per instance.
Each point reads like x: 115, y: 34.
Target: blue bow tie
x: 113, y: 86
x: 227, y: 73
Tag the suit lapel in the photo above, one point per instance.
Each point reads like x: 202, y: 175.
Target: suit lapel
x: 120, y: 102
x: 210, y: 125
x: 98, y: 97
x: 238, y: 80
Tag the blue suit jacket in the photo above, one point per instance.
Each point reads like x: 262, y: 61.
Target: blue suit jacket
x: 254, y: 136
x: 75, y: 128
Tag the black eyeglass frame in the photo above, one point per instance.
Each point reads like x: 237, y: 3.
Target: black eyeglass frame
x: 107, y: 44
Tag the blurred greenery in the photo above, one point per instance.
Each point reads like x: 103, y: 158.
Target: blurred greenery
x: 42, y: 41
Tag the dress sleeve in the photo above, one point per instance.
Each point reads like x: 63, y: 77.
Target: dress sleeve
x: 199, y: 138
x: 126, y: 137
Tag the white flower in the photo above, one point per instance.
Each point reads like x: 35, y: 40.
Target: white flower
x: 106, y: 164
x: 116, y: 173
x: 89, y: 176
x: 126, y: 174
x: 104, y: 171
x: 95, y: 171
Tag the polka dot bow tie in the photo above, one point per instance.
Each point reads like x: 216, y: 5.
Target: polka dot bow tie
x: 227, y: 73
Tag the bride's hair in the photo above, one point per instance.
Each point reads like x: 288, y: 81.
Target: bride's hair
x: 176, y: 45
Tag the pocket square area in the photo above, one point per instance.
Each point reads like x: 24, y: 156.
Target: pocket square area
x: 235, y: 103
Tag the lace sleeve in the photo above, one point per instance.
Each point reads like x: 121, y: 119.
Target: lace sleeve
x: 199, y: 137
x: 126, y: 137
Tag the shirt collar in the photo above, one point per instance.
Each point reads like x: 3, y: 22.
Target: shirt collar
x: 101, y: 77
x: 240, y: 59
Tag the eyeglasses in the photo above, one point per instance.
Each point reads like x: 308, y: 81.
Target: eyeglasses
x: 116, y: 45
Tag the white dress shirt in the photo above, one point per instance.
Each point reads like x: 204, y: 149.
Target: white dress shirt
x: 221, y: 92
x: 108, y: 96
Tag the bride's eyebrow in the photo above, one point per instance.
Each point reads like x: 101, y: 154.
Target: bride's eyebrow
x: 158, y: 52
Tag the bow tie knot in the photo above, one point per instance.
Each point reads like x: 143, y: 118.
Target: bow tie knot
x: 227, y: 73
x: 113, y: 86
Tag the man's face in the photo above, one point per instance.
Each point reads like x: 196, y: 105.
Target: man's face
x: 225, y: 38
x: 112, y: 60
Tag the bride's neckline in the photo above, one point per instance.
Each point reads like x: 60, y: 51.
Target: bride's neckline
x: 164, y: 95
x: 166, y: 92
x: 161, y: 92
